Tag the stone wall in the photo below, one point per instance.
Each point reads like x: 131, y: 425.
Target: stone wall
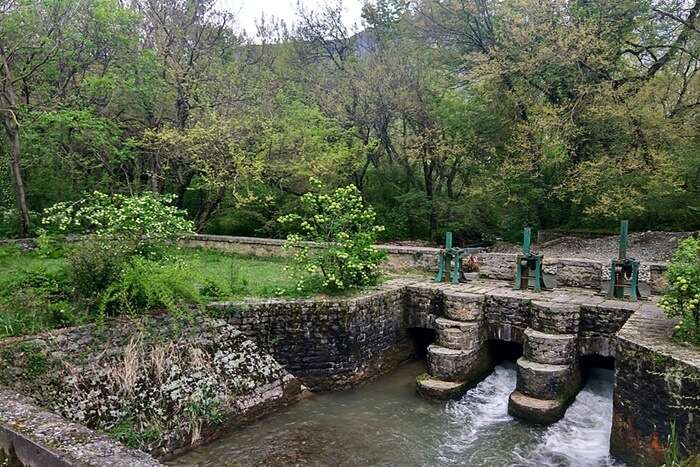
x: 508, y: 313
x: 328, y: 343
x: 657, y: 383
x: 565, y: 272
x: 30, y: 436
x: 153, y: 369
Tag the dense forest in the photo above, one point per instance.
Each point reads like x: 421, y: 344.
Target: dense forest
x: 471, y: 115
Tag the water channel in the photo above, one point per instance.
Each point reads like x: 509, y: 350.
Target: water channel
x: 384, y: 423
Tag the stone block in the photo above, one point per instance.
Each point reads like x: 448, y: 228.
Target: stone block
x: 555, y: 318
x: 574, y: 272
x: 506, y: 332
x: 456, y: 365
x: 548, y: 381
x: 464, y: 306
x: 657, y: 383
x: 459, y: 335
x: 32, y: 436
x: 554, y: 349
x: 537, y: 411
x: 657, y: 282
x: 507, y: 307
x: 432, y: 388
x: 500, y: 266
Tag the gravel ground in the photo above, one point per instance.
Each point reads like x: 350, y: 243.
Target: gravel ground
x: 644, y: 246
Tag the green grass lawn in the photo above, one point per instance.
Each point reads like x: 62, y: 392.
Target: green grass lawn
x: 245, y: 276
x: 36, y: 292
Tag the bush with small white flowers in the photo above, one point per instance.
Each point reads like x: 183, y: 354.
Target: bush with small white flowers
x: 682, y: 297
x: 346, y: 229
x: 140, y: 222
x: 120, y: 265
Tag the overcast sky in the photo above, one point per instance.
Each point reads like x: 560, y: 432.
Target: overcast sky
x: 248, y: 11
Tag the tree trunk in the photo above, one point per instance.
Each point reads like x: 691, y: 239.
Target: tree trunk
x: 210, y: 207
x: 428, y: 168
x: 183, y: 183
x: 12, y: 132
x: 8, y: 106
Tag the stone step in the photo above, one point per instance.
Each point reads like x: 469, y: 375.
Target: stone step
x: 554, y: 349
x: 459, y: 335
x: 533, y: 410
x: 457, y: 365
x: 546, y: 381
x: 433, y: 388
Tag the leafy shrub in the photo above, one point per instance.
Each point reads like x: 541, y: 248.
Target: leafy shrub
x: 50, y: 247
x: 347, y: 231
x: 8, y: 222
x: 111, y: 268
x: 51, y: 283
x: 126, y: 431
x: 92, y: 268
x: 144, y: 221
x: 145, y: 284
x: 682, y: 298
x: 35, y: 299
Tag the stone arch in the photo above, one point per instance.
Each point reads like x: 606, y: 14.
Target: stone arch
x: 421, y: 338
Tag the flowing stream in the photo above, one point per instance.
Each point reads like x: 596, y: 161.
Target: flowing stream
x: 384, y: 423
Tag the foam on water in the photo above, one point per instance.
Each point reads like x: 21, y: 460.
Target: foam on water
x: 478, y: 413
x: 582, y: 437
x: 384, y: 423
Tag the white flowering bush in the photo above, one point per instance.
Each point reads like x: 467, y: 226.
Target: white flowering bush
x: 139, y: 220
x: 682, y: 297
x: 347, y: 231
x: 122, y: 232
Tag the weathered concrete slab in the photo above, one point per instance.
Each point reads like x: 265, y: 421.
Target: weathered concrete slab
x: 35, y: 437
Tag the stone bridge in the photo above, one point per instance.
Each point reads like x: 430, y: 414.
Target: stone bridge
x: 555, y: 328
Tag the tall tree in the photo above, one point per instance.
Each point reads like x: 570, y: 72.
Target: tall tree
x: 31, y: 34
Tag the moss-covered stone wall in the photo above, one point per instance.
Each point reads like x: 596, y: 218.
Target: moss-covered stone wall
x: 329, y: 343
x: 657, y: 386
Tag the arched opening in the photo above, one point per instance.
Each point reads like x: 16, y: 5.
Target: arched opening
x: 421, y: 339
x: 504, y: 351
x: 597, y: 361
x: 597, y: 367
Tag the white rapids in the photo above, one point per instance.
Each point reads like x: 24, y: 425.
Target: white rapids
x: 384, y: 423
